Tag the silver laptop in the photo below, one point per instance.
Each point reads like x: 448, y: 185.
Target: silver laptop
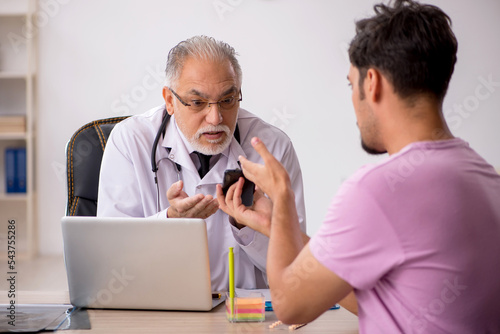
x: 138, y: 263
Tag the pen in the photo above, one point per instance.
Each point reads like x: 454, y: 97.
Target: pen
x: 231, y: 278
x: 231, y: 272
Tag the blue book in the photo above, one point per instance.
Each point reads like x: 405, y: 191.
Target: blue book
x: 21, y: 169
x: 10, y: 170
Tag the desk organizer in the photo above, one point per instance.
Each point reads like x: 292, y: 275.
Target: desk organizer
x: 246, y: 309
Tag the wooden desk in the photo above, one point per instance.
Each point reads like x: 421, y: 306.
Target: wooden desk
x: 124, y: 321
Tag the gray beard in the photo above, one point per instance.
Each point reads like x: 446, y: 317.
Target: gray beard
x: 211, y: 150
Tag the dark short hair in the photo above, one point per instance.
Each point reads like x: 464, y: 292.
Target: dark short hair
x: 410, y: 43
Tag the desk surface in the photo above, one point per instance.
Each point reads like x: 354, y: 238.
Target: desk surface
x: 125, y: 321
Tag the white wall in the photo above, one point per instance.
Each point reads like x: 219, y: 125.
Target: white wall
x: 99, y: 59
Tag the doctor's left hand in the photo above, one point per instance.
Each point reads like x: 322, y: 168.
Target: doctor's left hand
x: 183, y: 206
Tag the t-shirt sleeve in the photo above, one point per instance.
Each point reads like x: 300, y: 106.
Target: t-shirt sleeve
x: 356, y: 241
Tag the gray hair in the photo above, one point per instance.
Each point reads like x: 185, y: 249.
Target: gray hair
x: 199, y: 47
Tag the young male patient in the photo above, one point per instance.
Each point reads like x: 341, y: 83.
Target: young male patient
x: 419, y: 250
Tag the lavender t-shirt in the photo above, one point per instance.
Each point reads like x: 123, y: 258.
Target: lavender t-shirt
x: 418, y: 238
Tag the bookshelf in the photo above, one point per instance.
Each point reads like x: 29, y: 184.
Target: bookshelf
x: 18, y: 33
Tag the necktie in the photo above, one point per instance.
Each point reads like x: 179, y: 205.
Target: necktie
x: 204, y: 164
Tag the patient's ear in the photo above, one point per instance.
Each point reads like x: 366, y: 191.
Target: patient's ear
x: 373, y: 85
x: 169, y: 100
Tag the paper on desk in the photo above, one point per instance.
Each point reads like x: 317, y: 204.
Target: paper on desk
x: 37, y: 317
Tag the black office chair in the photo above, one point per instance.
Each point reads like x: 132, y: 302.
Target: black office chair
x: 83, y: 164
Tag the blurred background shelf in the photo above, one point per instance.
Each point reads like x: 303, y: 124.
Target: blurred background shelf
x: 17, y: 119
x: 13, y: 197
x: 13, y: 75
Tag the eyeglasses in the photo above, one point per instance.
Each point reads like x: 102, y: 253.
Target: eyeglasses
x: 226, y: 103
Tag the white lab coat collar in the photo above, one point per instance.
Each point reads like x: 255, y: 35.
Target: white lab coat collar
x: 180, y: 154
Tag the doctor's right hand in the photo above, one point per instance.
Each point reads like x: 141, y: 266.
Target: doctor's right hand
x: 183, y: 206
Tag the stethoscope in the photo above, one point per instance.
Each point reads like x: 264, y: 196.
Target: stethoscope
x: 178, y: 168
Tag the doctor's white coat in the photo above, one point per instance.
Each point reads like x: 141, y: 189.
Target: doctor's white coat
x: 127, y: 186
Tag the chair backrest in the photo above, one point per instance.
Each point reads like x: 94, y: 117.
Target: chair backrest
x: 83, y: 164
